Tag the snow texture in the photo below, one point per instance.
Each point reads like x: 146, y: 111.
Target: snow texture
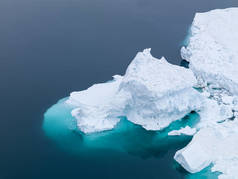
x: 152, y: 93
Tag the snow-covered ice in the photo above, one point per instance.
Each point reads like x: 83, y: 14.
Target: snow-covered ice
x: 212, y: 52
x: 160, y: 92
x: 215, y: 145
x: 152, y: 93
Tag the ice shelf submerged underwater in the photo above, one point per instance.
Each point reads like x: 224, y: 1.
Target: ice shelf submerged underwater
x: 155, y: 94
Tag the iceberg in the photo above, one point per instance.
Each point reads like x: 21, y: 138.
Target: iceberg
x: 152, y: 93
x: 212, y: 53
x: 212, y: 50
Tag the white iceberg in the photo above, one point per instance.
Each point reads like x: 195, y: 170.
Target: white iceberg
x: 153, y: 93
x: 212, y: 52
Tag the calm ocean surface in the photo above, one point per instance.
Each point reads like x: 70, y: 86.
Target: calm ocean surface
x: 49, y: 48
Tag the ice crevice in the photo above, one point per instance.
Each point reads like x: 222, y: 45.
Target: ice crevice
x: 154, y: 93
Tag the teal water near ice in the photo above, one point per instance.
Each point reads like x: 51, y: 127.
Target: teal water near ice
x: 204, y: 174
x: 126, y: 138
x: 60, y: 126
x: 50, y: 48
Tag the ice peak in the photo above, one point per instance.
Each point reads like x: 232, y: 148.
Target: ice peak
x: 147, y: 52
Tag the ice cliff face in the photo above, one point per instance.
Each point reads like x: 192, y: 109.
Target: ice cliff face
x: 212, y: 50
x: 152, y: 93
x: 159, y: 92
x: 213, y: 55
x: 215, y: 145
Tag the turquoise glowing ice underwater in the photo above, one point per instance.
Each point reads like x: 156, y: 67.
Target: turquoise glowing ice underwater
x: 127, y: 137
x: 61, y: 126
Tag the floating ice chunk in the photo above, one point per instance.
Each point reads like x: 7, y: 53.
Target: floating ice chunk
x: 194, y: 157
x: 215, y: 145
x: 213, y: 49
x: 153, y: 93
x: 183, y: 131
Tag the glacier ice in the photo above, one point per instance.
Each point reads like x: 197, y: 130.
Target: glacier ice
x: 152, y: 93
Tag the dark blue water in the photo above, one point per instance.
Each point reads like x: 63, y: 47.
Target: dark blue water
x: 49, y: 48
